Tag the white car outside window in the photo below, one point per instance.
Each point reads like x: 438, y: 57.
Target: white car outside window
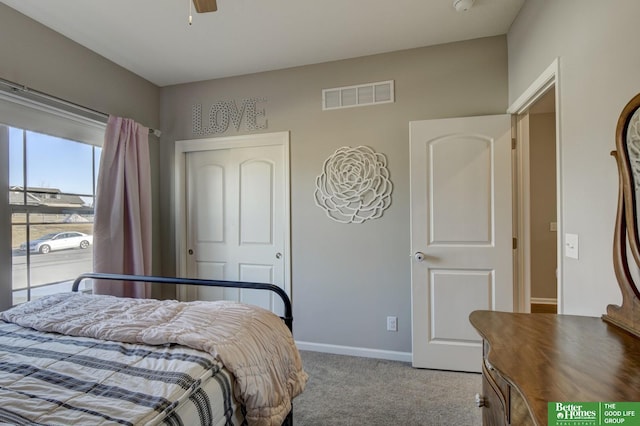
x: 59, y: 241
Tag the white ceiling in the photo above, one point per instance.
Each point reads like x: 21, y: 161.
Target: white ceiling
x: 153, y: 39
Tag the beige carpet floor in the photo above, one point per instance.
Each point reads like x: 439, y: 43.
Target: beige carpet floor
x: 345, y: 390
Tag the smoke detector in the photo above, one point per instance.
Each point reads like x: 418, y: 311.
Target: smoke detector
x: 462, y: 5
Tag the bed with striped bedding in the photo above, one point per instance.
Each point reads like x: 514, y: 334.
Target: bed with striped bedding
x: 82, y: 359
x: 49, y: 378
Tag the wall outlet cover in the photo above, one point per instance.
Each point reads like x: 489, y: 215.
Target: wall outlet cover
x: 392, y: 323
x: 571, y: 245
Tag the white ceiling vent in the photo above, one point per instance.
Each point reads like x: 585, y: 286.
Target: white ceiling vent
x: 360, y: 95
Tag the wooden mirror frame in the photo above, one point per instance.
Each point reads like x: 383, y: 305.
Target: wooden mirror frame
x: 626, y: 238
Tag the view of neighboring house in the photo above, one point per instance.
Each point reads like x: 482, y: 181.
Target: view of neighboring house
x: 50, y: 197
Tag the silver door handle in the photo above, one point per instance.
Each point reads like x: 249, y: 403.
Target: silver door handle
x: 419, y: 256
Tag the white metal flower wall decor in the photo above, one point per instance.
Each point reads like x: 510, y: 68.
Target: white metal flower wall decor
x: 354, y: 185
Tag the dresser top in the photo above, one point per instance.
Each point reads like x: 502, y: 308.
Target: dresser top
x: 561, y: 358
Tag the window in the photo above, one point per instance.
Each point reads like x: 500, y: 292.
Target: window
x: 52, y: 185
x: 49, y: 158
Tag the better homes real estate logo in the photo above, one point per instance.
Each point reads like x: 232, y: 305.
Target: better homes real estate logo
x: 593, y: 413
x: 572, y: 413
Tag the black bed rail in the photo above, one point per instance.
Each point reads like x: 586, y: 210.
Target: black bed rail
x: 288, y: 314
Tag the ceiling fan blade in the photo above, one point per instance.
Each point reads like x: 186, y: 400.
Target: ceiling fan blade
x: 203, y: 6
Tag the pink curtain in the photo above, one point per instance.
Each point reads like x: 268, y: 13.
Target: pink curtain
x: 122, y: 223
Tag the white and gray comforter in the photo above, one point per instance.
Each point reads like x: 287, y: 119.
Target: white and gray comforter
x: 152, y: 356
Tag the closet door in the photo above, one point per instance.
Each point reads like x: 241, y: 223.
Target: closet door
x: 237, y: 222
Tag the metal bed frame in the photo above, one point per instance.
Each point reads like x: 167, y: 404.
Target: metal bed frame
x: 287, y: 317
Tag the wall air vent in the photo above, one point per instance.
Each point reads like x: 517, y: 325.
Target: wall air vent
x: 361, y: 95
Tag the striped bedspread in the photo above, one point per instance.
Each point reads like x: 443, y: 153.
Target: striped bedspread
x: 49, y: 378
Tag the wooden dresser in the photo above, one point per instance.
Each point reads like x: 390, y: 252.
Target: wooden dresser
x: 532, y: 359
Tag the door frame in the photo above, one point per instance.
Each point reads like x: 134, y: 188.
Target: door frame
x: 548, y: 80
x: 182, y: 148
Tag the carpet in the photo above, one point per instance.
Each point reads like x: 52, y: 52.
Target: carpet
x: 347, y: 390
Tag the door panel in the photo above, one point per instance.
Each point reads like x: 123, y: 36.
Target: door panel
x: 210, y: 203
x: 460, y: 165
x: 260, y: 274
x: 448, y: 285
x: 461, y: 228
x: 213, y: 271
x: 256, y: 203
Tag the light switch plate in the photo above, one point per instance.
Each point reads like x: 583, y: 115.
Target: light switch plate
x: 571, y: 245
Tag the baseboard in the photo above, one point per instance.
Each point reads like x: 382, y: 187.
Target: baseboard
x: 353, y: 351
x: 544, y: 301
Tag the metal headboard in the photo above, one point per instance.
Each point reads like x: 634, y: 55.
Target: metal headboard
x: 287, y: 317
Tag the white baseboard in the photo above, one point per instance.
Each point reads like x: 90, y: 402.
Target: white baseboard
x: 544, y: 301
x: 353, y: 351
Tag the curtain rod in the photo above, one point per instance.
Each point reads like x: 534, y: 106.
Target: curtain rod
x: 35, y: 93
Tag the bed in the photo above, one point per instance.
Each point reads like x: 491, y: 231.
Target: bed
x: 76, y: 358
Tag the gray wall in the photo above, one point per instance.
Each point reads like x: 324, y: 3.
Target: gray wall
x: 39, y: 58
x: 596, y: 45
x: 347, y: 278
x: 42, y: 59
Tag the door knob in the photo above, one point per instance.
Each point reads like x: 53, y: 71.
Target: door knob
x: 419, y: 256
x: 190, y: 251
x: 278, y: 255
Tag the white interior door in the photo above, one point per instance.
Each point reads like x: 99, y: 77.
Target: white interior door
x: 237, y: 222
x: 461, y: 235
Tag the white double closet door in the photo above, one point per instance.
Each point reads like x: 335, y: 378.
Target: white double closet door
x: 237, y: 220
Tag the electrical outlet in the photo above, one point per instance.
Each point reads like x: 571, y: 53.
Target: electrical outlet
x: 392, y: 323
